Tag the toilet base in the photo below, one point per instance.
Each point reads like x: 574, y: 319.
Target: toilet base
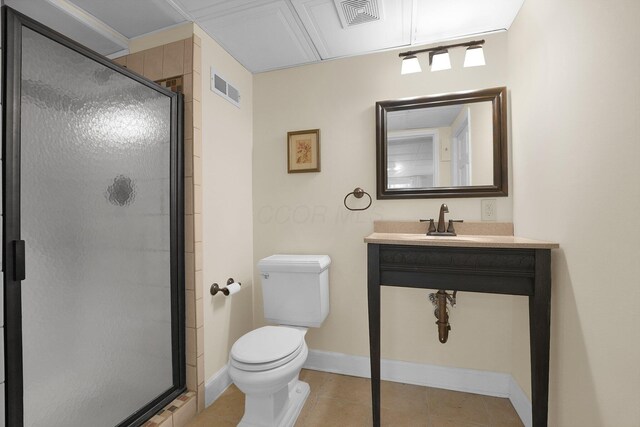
x: 298, y: 392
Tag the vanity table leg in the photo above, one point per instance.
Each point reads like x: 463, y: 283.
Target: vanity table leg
x: 539, y: 336
x: 373, y: 284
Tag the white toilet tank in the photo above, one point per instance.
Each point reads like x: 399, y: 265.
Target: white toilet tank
x: 295, y: 289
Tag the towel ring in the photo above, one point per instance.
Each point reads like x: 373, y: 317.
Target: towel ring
x: 358, y: 193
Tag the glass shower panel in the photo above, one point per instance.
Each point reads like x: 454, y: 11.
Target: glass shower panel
x: 95, y: 195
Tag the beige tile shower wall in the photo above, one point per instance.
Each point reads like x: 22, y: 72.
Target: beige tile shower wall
x: 160, y: 62
x: 195, y: 319
x: 304, y: 212
x: 226, y: 202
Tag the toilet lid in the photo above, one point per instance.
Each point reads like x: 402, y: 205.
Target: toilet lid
x: 266, y: 348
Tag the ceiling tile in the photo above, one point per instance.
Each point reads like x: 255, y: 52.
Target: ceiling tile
x: 321, y: 19
x: 198, y: 8
x: 61, y: 22
x: 438, y: 20
x: 132, y: 18
x: 261, y: 36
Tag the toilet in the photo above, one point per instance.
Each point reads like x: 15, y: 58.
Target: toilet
x: 266, y: 362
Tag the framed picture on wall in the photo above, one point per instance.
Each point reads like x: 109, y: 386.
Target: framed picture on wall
x: 303, y: 151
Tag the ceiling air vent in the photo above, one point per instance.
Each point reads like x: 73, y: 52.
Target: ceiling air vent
x: 222, y: 87
x: 355, y: 12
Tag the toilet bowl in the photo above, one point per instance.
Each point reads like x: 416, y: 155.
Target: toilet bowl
x: 265, y: 364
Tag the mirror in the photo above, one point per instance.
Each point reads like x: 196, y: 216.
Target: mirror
x: 452, y: 145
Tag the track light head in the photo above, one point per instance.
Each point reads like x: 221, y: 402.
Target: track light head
x: 410, y: 64
x: 474, y: 56
x: 440, y: 60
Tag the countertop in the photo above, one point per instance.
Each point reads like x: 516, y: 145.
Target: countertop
x: 459, y: 241
x: 477, y: 235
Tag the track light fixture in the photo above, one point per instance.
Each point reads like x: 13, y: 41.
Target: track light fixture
x: 439, y: 57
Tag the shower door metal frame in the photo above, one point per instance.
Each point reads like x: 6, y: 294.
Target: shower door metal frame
x: 13, y: 246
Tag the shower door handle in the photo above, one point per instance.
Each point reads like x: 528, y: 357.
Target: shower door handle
x: 18, y: 260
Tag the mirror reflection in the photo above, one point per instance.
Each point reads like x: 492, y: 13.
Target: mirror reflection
x: 449, y: 145
x: 442, y: 146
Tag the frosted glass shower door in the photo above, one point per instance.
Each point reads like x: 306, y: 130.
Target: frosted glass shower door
x: 98, y: 212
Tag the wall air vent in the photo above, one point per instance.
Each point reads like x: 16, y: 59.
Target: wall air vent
x: 222, y: 87
x: 355, y: 12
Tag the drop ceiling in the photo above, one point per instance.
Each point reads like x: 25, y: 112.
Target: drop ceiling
x: 266, y: 35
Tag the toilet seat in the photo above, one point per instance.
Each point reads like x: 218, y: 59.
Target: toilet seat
x: 266, y: 348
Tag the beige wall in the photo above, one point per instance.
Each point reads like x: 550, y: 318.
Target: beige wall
x: 227, y: 222
x: 574, y: 76
x: 303, y: 213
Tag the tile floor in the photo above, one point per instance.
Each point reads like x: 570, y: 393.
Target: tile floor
x: 340, y: 400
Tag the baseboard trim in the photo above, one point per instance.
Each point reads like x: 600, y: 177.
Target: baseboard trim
x: 520, y: 402
x: 216, y: 385
x: 468, y: 380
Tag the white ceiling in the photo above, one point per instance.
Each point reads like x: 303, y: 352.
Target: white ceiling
x: 270, y: 34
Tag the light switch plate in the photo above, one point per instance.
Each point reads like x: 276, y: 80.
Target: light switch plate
x: 489, y: 211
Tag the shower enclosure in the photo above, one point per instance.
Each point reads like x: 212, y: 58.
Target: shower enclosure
x: 92, y: 235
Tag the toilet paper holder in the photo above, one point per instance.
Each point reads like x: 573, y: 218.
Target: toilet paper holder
x: 215, y: 288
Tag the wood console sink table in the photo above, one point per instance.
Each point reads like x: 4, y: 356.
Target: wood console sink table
x: 472, y: 263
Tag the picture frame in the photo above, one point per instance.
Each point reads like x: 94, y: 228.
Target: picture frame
x: 303, y: 151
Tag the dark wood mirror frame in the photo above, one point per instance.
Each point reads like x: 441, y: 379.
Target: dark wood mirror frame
x: 497, y: 97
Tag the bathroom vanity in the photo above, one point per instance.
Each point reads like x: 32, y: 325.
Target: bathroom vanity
x: 483, y: 257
